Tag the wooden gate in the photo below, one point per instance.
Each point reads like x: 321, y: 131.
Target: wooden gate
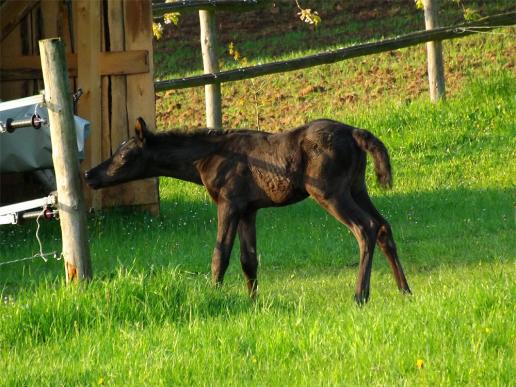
x: 109, y: 55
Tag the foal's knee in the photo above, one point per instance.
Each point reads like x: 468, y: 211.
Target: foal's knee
x: 384, y: 235
x: 368, y: 231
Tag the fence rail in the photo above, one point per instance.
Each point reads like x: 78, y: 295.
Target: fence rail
x: 211, y: 5
x: 411, y: 39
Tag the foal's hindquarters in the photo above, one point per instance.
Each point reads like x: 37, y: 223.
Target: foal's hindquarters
x: 343, y: 193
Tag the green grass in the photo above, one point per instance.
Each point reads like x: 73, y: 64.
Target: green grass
x: 348, y: 88
x: 151, y: 317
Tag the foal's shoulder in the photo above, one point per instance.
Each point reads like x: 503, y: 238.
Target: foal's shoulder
x: 329, y: 124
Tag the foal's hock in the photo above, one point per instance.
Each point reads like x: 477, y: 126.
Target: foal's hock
x: 245, y: 170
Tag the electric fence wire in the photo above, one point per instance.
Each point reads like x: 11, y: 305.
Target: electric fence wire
x: 41, y: 254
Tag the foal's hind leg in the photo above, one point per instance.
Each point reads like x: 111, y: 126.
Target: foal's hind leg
x: 363, y: 227
x: 248, y: 259
x: 226, y: 230
x: 384, y: 239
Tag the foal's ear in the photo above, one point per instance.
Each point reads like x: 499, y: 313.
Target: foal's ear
x: 141, y: 130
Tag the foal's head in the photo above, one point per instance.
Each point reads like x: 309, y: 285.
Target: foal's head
x: 127, y: 163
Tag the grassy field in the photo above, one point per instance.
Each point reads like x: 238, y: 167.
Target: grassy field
x: 151, y: 316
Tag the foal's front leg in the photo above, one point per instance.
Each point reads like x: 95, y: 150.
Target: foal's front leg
x: 226, y: 229
x: 248, y: 258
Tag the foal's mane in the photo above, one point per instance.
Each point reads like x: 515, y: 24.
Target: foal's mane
x: 193, y: 139
x: 200, y: 133
x: 204, y: 132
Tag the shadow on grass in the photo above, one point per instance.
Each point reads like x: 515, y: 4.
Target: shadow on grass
x: 153, y: 277
x: 445, y: 227
x: 54, y: 312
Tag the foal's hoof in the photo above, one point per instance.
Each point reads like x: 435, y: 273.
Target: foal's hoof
x: 217, y: 284
x: 253, y: 294
x: 406, y: 291
x: 361, y: 299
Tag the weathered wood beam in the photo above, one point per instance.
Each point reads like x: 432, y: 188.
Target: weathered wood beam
x: 88, y: 22
x: 118, y: 120
x: 111, y: 63
x: 140, y: 100
x: 458, y: 31
x: 11, y: 14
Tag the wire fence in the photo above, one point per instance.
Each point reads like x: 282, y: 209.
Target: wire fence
x: 44, y: 256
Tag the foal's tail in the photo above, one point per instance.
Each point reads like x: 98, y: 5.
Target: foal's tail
x: 382, y: 165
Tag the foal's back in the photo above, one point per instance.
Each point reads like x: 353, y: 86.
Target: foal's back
x: 280, y: 169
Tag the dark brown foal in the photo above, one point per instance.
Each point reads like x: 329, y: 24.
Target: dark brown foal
x: 246, y: 170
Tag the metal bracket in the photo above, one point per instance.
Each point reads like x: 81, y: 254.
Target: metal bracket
x: 10, y: 214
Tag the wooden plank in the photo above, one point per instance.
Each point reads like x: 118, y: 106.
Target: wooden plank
x: 134, y: 193
x: 49, y: 21
x: 50, y: 11
x: 12, y: 12
x: 19, y: 75
x: 72, y: 210
x: 55, y: 22
x: 124, y: 62
x: 408, y: 40
x: 65, y: 27
x: 140, y: 92
x: 87, y: 27
x: 35, y: 36
x: 16, y: 89
x: 106, y: 129
x: 118, y: 124
x: 32, y: 62
x: 138, y: 36
x: 26, y: 39
x: 434, y: 52
x: 119, y: 121
x: 110, y: 63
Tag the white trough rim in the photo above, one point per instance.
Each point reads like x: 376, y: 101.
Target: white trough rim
x: 21, y: 102
x: 49, y: 200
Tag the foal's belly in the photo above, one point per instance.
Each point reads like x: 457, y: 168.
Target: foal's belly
x: 278, y: 189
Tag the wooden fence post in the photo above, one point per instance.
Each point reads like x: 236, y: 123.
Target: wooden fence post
x: 434, y: 51
x: 211, y: 65
x: 72, y: 210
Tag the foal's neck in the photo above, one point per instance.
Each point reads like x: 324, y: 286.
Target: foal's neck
x: 176, y: 154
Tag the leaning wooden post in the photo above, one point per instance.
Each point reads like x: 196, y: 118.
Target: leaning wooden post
x: 434, y: 51
x: 72, y: 210
x: 211, y: 65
